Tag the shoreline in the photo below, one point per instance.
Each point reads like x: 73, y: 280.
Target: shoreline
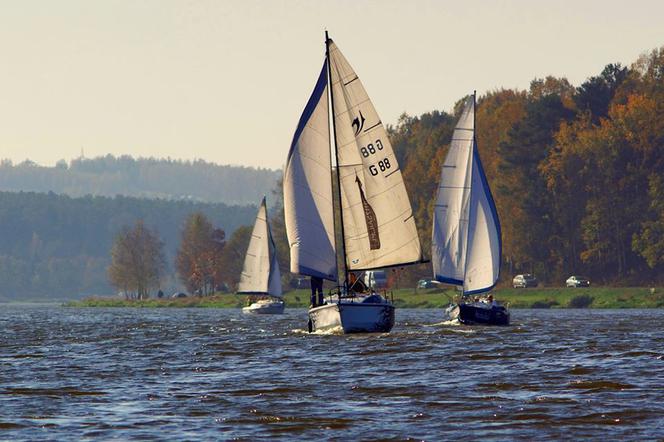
x: 593, y: 297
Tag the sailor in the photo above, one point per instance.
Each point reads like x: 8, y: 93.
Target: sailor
x: 491, y: 302
x: 316, y: 289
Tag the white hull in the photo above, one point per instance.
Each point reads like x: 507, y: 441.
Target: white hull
x: 353, y: 317
x: 265, y: 307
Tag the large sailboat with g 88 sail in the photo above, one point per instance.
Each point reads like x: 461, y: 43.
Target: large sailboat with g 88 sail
x: 375, y: 218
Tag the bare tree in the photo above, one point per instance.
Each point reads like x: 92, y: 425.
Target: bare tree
x: 137, y: 261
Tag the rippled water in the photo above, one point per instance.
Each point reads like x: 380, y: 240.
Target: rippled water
x: 217, y: 374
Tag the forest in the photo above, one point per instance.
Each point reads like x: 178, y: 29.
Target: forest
x: 56, y: 247
x: 141, y: 177
x: 577, y: 172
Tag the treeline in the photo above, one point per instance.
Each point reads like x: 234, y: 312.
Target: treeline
x: 142, y: 177
x: 577, y: 172
x: 54, y: 246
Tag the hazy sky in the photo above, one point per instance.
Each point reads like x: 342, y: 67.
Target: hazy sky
x: 226, y: 81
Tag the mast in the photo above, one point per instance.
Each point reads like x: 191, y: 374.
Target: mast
x: 474, y: 119
x: 336, y: 157
x: 470, y: 213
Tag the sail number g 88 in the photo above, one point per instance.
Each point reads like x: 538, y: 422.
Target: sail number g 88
x: 383, y: 165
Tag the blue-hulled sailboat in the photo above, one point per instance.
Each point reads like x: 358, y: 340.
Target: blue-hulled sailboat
x: 466, y: 236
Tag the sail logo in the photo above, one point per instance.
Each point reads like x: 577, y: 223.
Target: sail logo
x: 358, y: 123
x: 370, y: 219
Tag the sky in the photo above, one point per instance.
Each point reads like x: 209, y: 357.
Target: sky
x: 226, y: 81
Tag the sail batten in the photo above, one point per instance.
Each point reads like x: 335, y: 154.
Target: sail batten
x: 260, y: 273
x: 466, y: 237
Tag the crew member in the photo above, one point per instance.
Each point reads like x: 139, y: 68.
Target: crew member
x: 316, y: 291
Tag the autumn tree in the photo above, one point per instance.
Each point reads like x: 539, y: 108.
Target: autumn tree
x: 137, y: 261
x: 521, y: 157
x: 198, y: 260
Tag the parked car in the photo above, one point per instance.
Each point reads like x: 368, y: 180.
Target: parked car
x: 577, y: 281
x: 525, y: 280
x: 427, y: 284
x: 179, y: 295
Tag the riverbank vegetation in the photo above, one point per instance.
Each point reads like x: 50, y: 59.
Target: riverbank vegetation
x: 596, y: 297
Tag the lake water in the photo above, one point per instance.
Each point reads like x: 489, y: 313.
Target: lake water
x: 201, y: 374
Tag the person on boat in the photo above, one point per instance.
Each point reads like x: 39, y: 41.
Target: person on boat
x: 356, y: 285
x: 316, y: 291
x: 491, y: 301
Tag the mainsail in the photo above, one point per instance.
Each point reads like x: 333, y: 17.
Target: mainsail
x: 466, y: 237
x: 260, y: 273
x: 379, y: 229
x: 308, y: 207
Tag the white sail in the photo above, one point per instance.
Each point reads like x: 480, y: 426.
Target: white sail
x: 379, y: 228
x: 260, y: 273
x: 308, y: 207
x: 466, y: 243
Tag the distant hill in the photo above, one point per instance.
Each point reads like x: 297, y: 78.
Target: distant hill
x: 54, y: 246
x: 142, y: 177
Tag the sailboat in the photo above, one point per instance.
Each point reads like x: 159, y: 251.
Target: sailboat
x: 260, y: 273
x: 373, y: 211
x: 466, y: 236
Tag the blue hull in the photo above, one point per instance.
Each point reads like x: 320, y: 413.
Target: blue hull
x: 471, y: 314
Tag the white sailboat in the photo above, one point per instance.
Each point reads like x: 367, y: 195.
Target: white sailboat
x: 375, y: 217
x: 260, y: 273
x: 466, y: 236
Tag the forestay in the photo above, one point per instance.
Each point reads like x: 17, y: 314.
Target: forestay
x: 308, y: 207
x: 466, y: 237
x: 260, y: 273
x: 377, y: 216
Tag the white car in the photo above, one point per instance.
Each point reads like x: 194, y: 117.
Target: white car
x: 577, y: 281
x: 523, y: 281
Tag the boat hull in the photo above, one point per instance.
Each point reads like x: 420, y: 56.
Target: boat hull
x: 271, y: 308
x: 353, y: 317
x: 472, y: 314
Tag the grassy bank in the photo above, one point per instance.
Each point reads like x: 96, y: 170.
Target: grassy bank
x: 595, y: 297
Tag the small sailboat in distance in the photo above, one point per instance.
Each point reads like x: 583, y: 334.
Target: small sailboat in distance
x: 375, y: 217
x: 260, y: 273
x: 466, y: 236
